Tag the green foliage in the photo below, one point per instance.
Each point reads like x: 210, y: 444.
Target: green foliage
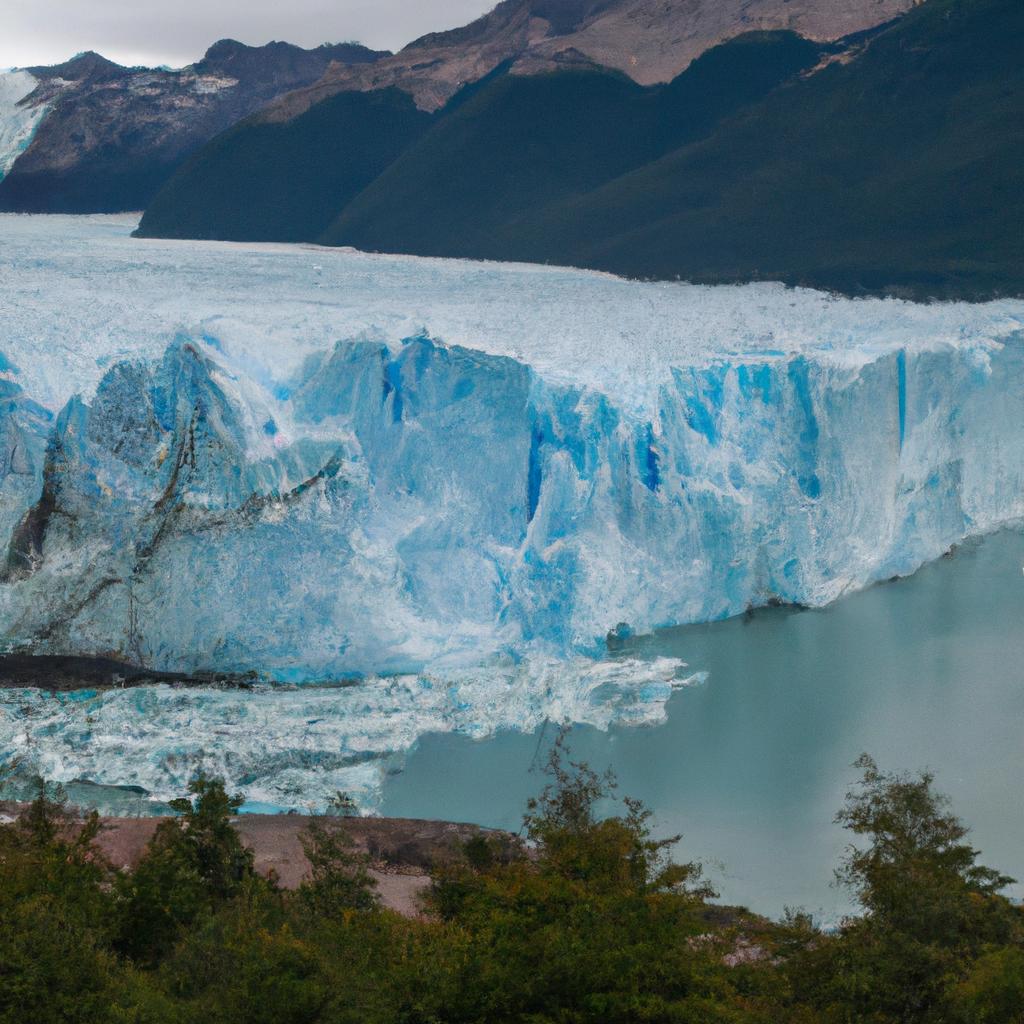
x: 47, y: 854
x: 286, y: 181
x: 521, y: 146
x: 55, y: 917
x: 930, y: 911
x: 610, y: 853
x: 588, y: 920
x: 917, y: 877
x: 993, y: 990
x: 192, y: 864
x: 244, y: 964
x: 592, y: 924
x: 53, y: 966
x: 340, y: 879
x: 892, y: 170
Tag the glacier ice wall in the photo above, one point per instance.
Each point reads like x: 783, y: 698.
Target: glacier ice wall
x: 257, y: 457
x: 395, y: 509
x: 18, y: 121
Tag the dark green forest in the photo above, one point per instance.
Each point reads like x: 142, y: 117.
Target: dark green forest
x: 285, y: 182
x: 586, y: 919
x: 887, y: 163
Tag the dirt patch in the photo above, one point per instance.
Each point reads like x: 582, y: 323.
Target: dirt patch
x: 403, y: 851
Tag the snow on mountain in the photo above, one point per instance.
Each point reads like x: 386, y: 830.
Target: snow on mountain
x: 322, y: 464
x: 17, y: 123
x: 100, y: 136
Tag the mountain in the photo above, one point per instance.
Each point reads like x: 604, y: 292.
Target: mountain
x: 886, y: 162
x: 509, y: 143
x: 92, y: 136
x: 897, y: 170
x: 524, y: 144
x: 287, y: 181
x: 892, y: 167
x: 654, y: 40
x: 97, y: 137
x: 276, y: 176
x: 649, y: 40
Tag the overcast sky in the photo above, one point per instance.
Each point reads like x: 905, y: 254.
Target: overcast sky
x: 177, y: 32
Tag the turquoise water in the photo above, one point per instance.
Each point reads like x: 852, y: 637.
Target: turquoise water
x: 922, y: 672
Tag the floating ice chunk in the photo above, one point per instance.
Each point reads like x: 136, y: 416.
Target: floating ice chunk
x: 294, y: 747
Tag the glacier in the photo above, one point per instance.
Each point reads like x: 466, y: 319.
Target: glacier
x: 443, y: 483
x: 18, y: 121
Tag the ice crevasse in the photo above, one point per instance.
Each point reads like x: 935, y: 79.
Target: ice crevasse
x: 320, y: 491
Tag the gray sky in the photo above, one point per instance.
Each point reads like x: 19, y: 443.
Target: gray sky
x: 177, y: 32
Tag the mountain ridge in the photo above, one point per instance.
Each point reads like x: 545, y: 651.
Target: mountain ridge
x: 109, y: 136
x: 888, y: 168
x: 651, y: 41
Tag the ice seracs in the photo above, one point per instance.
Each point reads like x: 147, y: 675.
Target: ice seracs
x: 260, y: 472
x: 288, y: 747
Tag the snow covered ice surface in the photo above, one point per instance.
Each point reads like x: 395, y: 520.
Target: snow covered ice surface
x: 17, y: 121
x: 446, y: 480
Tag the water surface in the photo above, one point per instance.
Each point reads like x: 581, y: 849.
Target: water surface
x: 926, y: 672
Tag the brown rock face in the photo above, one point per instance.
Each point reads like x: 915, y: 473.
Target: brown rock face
x: 112, y: 135
x: 650, y: 40
x: 654, y: 40
x: 435, y: 67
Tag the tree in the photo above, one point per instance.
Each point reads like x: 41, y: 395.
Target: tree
x: 917, y: 876
x: 571, y: 839
x: 55, y: 916
x: 593, y: 923
x: 929, y: 911
x: 340, y: 879
x: 193, y: 863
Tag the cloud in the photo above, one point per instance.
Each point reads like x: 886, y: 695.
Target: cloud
x: 177, y: 32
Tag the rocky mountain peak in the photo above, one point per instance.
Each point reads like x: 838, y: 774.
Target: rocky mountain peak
x: 241, y: 61
x: 650, y: 40
x: 87, y: 66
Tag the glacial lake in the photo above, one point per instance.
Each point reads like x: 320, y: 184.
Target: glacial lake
x: 925, y: 672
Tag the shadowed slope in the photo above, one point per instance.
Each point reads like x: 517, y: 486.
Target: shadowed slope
x: 524, y: 143
x: 285, y: 181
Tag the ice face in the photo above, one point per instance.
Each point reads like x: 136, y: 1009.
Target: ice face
x: 24, y: 428
x: 270, y: 463
x: 18, y: 122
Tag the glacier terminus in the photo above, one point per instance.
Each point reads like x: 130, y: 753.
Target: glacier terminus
x: 438, y: 486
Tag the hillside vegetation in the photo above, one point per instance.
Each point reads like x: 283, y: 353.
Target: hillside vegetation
x: 284, y: 182
x: 524, y: 146
x: 591, y: 922
x: 893, y: 169
x: 887, y: 163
